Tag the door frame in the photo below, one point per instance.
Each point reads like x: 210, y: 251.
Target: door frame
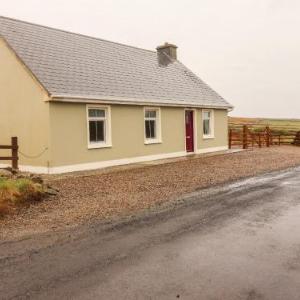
x: 194, y: 130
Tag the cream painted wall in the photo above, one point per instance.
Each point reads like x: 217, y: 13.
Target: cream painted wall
x: 69, y: 134
x: 220, y: 130
x: 68, y: 123
x: 23, y: 113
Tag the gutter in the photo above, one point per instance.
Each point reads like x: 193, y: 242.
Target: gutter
x: 128, y: 101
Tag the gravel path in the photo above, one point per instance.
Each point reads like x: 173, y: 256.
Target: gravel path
x: 128, y: 190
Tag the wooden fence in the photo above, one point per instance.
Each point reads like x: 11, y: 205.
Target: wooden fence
x: 14, y: 153
x: 250, y: 136
x: 297, y: 139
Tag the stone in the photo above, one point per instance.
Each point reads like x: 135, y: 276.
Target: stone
x: 5, y: 173
x: 37, y: 179
x: 19, y: 176
x: 51, y: 192
x: 51, y: 187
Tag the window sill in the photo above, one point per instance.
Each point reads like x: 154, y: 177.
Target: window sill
x: 208, y: 137
x: 99, y: 146
x: 149, y: 142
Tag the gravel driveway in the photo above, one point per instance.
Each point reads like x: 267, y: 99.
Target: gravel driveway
x: 93, y: 196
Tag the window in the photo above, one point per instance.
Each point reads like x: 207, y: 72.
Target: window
x: 152, y: 125
x: 98, y: 127
x: 208, y: 127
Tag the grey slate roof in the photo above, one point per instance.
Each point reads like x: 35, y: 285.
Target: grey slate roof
x: 72, y: 64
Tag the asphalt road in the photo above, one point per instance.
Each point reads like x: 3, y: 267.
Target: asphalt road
x: 239, y: 241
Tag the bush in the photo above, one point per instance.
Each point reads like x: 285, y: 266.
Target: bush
x: 20, y: 191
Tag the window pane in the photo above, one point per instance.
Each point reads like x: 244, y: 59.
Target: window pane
x: 206, y: 115
x: 100, y: 131
x: 147, y: 129
x: 206, y: 127
x: 150, y: 129
x: 96, y: 113
x: 92, y: 131
x: 97, y: 131
x: 187, y: 119
x: 150, y: 114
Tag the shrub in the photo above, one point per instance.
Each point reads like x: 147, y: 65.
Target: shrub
x: 14, y: 192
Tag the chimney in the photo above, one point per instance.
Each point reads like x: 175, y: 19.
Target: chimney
x: 166, y: 53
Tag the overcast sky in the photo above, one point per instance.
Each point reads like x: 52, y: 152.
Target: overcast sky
x: 247, y: 50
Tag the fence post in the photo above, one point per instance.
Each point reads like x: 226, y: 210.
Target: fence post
x: 230, y: 139
x: 245, y: 137
x: 14, y: 152
x: 259, y: 140
x: 268, y: 136
x: 297, y: 139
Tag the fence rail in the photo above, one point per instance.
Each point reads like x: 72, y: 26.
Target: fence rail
x: 246, y: 136
x: 14, y: 147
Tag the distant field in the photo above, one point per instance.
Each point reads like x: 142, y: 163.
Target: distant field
x: 277, y: 124
x: 285, y: 130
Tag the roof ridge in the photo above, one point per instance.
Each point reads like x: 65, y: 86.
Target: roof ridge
x: 74, y: 33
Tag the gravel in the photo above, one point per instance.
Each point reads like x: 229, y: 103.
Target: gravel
x: 102, y: 195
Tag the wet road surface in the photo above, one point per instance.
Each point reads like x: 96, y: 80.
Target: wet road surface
x: 238, y: 241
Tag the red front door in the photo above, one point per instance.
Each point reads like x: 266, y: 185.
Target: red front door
x: 189, y: 130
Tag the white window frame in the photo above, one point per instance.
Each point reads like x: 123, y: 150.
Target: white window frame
x: 107, y: 119
x: 211, y: 123
x: 158, y: 139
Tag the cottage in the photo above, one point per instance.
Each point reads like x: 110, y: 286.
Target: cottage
x: 77, y: 102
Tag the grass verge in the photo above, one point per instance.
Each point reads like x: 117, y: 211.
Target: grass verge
x: 17, y: 192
